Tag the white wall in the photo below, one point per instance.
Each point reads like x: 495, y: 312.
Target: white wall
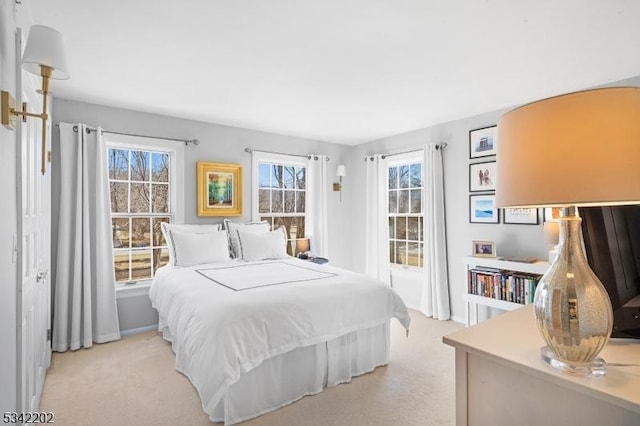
x: 218, y: 143
x: 511, y: 240
x: 8, y: 211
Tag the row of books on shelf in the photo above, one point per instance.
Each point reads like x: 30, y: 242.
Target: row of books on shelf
x: 510, y: 286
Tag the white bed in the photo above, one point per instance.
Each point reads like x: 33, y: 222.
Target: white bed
x: 255, y: 336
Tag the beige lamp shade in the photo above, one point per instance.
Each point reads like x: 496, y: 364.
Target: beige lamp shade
x: 341, y: 171
x: 577, y: 149
x: 45, y: 47
x: 302, y: 245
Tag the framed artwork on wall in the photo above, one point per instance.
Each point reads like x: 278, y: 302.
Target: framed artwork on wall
x: 520, y: 216
x: 219, y: 189
x: 482, y: 142
x: 482, y: 176
x: 482, y: 209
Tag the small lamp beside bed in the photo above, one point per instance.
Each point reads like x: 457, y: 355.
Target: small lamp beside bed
x: 302, y: 248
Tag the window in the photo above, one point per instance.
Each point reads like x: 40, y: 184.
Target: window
x: 405, y: 188
x: 142, y: 188
x: 281, y: 186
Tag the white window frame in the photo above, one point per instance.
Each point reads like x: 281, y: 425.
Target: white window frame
x: 285, y: 160
x: 176, y: 179
x: 395, y: 161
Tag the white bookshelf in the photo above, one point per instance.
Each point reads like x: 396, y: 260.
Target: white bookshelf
x: 472, y: 301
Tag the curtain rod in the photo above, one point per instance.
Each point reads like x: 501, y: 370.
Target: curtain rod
x: 308, y: 157
x: 441, y: 145
x: 186, y: 141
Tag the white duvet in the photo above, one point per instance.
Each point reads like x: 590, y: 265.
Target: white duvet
x: 218, y: 332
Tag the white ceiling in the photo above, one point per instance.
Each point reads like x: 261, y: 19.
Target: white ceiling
x: 344, y: 71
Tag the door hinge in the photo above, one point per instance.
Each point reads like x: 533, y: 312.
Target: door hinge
x: 49, y: 156
x: 48, y: 335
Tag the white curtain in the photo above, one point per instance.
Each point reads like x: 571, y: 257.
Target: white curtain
x: 376, y: 221
x: 84, y: 302
x: 435, y: 287
x: 316, y: 205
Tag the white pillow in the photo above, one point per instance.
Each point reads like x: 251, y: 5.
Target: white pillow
x: 266, y: 245
x: 232, y: 232
x: 167, y: 228
x: 194, y: 249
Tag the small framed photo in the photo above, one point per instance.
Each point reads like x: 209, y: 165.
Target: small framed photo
x: 219, y: 189
x: 519, y: 216
x: 483, y: 249
x: 482, y: 209
x: 482, y: 142
x: 482, y: 176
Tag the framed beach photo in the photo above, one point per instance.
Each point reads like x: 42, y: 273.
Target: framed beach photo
x: 520, y: 216
x: 482, y: 142
x: 482, y: 209
x: 483, y: 248
x: 482, y: 176
x: 219, y: 189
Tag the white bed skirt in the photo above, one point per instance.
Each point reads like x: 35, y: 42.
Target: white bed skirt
x: 283, y: 379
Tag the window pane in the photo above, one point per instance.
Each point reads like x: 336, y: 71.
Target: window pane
x: 120, y: 232
x: 300, y: 203
x: 289, y: 177
x: 289, y: 201
x: 392, y: 227
x: 401, y: 228
x: 264, y: 204
x: 264, y: 177
x: 119, y: 192
x: 403, y: 174
x: 118, y: 164
x: 301, y: 178
x: 416, y: 175
x: 140, y: 264
x: 392, y: 252
x: 300, y: 224
x: 140, y: 232
x: 160, y: 167
x: 421, y: 260
x: 401, y: 253
x: 139, y: 197
x: 413, y: 232
x: 413, y: 254
x: 139, y: 165
x: 160, y: 258
x: 403, y: 201
x: 160, y: 201
x: 121, y: 265
x: 276, y: 201
x: 416, y: 201
x: 158, y: 238
x: 393, y: 177
x: 276, y: 177
x: 393, y: 201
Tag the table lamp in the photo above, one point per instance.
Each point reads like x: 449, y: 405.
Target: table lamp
x: 578, y: 149
x: 302, y: 247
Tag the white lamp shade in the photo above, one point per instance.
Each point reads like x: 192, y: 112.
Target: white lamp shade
x: 45, y: 47
x: 341, y: 171
x: 577, y: 149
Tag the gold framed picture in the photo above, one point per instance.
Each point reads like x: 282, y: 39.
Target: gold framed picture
x: 219, y: 189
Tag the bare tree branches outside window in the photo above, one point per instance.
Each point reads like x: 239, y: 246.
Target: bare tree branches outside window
x: 281, y: 198
x: 405, y: 188
x: 140, y: 201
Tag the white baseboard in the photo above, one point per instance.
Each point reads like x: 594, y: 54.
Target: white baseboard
x: 138, y: 330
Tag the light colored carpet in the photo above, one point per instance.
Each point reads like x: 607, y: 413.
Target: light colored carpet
x: 133, y: 382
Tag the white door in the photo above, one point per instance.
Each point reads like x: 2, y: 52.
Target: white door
x: 34, y: 230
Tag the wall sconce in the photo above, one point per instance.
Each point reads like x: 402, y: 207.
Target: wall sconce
x: 43, y: 56
x: 340, y: 172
